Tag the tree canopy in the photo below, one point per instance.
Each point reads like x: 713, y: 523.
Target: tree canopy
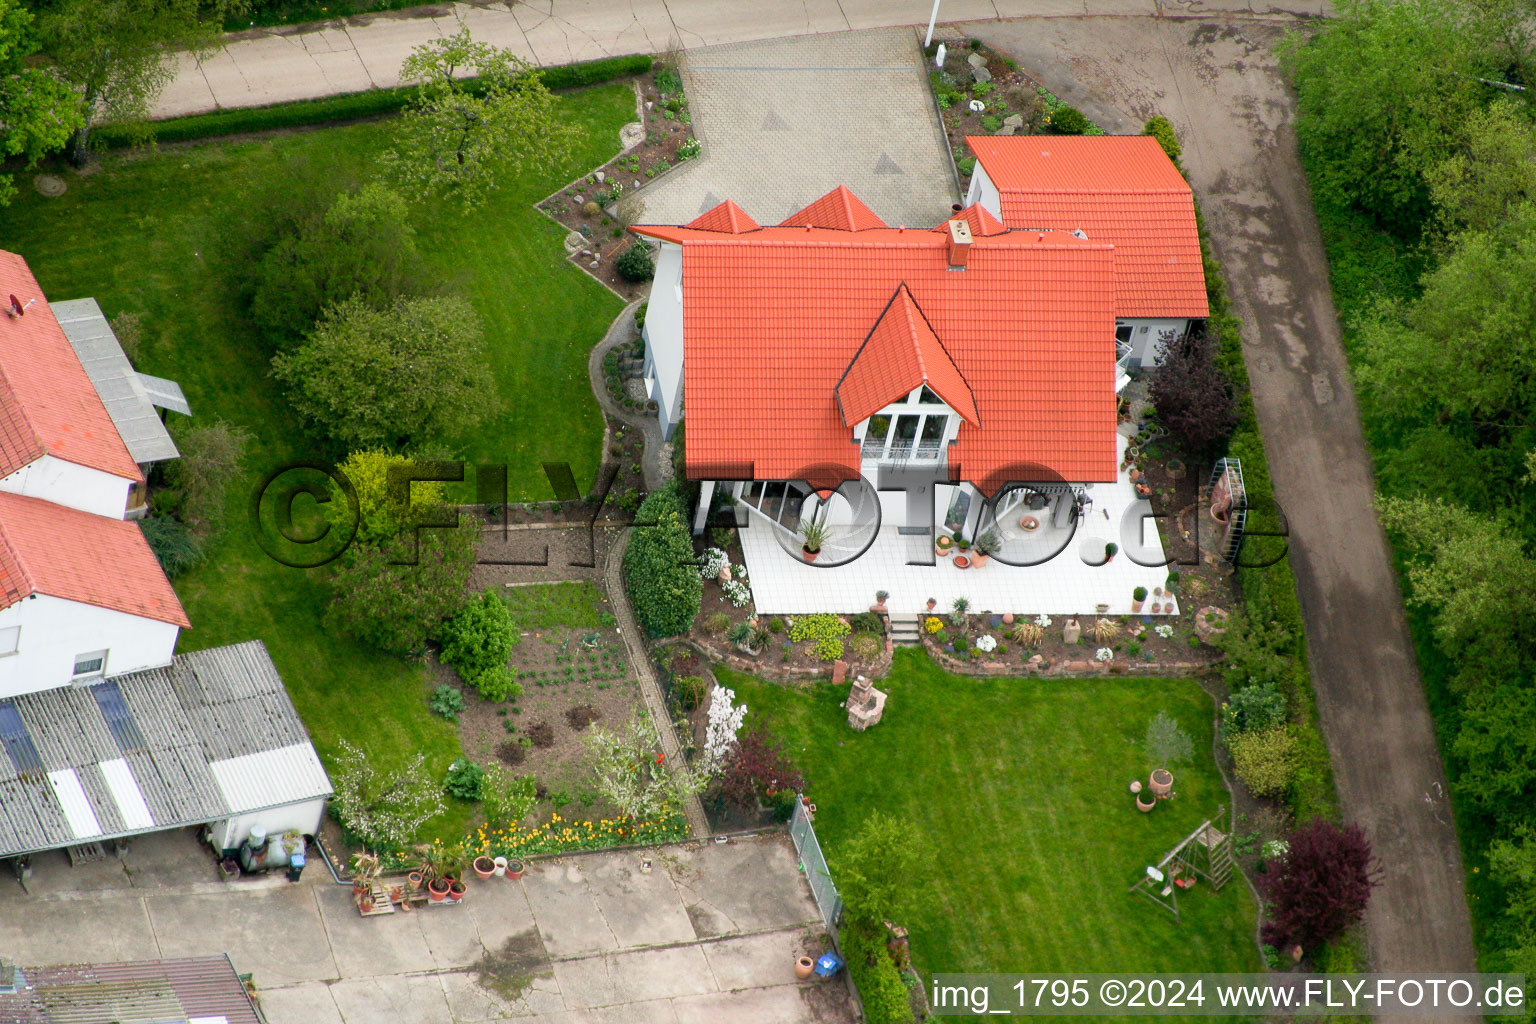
x: 38, y: 110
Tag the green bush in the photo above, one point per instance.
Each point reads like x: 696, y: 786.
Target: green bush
x: 1265, y: 761
x: 447, y: 701
x: 881, y: 988
x: 992, y: 122
x: 173, y: 544
x: 640, y: 315
x: 1161, y: 130
x: 866, y: 622
x: 346, y: 107
x: 477, y: 643
x: 1253, y: 709
x: 824, y: 632
x: 635, y: 263
x: 717, y: 623
x: 1067, y: 120
x: 866, y: 646
x: 465, y: 780
x: 689, y: 690
x: 659, y: 569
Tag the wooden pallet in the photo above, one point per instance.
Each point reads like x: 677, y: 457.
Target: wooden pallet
x: 382, y: 904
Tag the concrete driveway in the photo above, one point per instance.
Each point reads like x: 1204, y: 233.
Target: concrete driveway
x: 783, y: 122
x: 1216, y: 79
x: 711, y: 930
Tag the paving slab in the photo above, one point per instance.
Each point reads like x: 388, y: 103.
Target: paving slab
x: 309, y: 1003
x: 756, y: 1006
x: 275, y: 934
x: 754, y: 961
x: 727, y: 888
x: 634, y: 976
x: 395, y: 999
x: 364, y: 947
x: 54, y: 931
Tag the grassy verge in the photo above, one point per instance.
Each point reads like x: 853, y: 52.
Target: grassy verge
x: 1017, y: 787
x: 163, y: 235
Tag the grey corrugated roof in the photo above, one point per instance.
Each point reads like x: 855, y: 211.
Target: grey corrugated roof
x: 122, y: 390
x: 202, y: 710
x: 166, y: 394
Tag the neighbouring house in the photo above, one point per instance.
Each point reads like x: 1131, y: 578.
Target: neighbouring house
x: 1120, y: 189
x: 889, y: 383
x: 106, y: 731
x: 186, y: 990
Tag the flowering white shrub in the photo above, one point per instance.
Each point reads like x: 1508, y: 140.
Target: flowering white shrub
x: 986, y: 643
x: 1165, y: 631
x: 737, y: 592
x: 382, y: 806
x: 1043, y: 621
x: 1276, y: 848
x: 714, y: 561
x: 725, y: 718
x: 1104, y: 654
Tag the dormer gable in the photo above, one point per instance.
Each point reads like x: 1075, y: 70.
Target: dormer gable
x: 727, y: 218
x: 839, y: 209
x: 902, y: 353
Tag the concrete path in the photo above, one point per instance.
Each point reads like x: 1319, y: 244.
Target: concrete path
x: 589, y: 939
x: 785, y: 121
x: 351, y: 54
x: 1216, y: 80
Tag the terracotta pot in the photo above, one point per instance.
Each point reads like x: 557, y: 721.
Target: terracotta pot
x: 1161, y: 782
x: 1135, y: 607
x: 365, y: 902
x: 456, y: 890
x: 962, y: 562
x: 810, y: 556
x: 804, y: 967
x: 414, y: 881
x: 1157, y: 608
x: 932, y: 604
x: 437, y: 890
x: 515, y: 868
x: 978, y: 560
x: 943, y: 550
x: 1145, y: 808
x: 485, y: 867
x: 1029, y: 524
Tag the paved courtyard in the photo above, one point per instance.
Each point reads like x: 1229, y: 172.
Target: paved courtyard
x: 785, y: 121
x: 712, y: 930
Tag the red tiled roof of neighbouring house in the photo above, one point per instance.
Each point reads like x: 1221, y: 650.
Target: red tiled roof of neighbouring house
x: 839, y: 209
x: 73, y: 555
x: 48, y: 404
x: 727, y: 217
x: 1120, y: 189
x: 900, y: 353
x: 773, y: 318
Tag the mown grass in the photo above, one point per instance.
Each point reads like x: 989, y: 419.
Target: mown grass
x: 1017, y: 791
x: 167, y: 235
x: 575, y: 605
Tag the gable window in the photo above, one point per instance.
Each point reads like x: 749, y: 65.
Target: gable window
x: 90, y: 665
x: 10, y: 640
x: 1123, y: 333
x: 928, y: 397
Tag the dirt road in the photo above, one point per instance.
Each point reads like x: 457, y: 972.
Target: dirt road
x: 1216, y: 80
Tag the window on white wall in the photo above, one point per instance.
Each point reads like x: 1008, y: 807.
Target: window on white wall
x: 10, y: 640
x: 91, y: 664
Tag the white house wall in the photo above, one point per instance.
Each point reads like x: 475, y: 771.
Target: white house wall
x: 54, y: 631
x: 984, y: 192
x: 66, y: 483
x: 664, y: 335
x: 1146, y: 345
x: 300, y: 817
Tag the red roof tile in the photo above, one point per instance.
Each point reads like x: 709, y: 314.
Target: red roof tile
x: 773, y: 319
x: 1120, y: 189
x: 839, y: 209
x: 900, y: 353
x: 47, y: 403
x: 73, y: 555
x: 727, y: 217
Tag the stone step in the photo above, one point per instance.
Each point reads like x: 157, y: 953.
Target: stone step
x: 906, y: 630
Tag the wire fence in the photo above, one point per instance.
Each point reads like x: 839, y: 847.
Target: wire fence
x: 808, y: 848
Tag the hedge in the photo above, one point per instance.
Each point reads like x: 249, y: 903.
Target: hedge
x: 659, y: 568
x: 345, y: 107
x: 881, y: 988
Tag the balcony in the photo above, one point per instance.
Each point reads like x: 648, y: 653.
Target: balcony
x: 903, y: 451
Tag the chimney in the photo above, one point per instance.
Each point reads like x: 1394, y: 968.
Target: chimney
x: 959, y: 244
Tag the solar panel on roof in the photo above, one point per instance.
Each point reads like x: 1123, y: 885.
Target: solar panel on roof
x: 13, y: 734
x: 119, y: 719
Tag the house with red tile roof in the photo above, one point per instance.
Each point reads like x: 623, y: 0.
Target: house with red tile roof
x: 1120, y: 189
x: 882, y: 381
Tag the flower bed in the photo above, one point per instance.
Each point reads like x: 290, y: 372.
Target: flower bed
x: 986, y: 643
x: 558, y: 835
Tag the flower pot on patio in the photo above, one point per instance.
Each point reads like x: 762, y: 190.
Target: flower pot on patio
x: 414, y: 881
x: 1161, y: 782
x: 437, y: 890
x: 979, y: 559
x: 1029, y: 524
x: 962, y: 562
x: 1137, y: 596
x: 515, y: 868
x: 810, y: 556
x: 456, y: 890
x: 804, y: 967
x: 485, y: 867
x: 501, y: 866
x: 943, y: 546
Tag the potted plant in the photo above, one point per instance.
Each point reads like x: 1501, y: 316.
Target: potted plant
x: 1166, y: 744
x: 437, y: 890
x: 986, y: 545
x: 932, y: 604
x: 485, y: 867
x: 962, y: 561
x: 879, y: 606
x: 1110, y: 550
x: 944, y: 545
x: 1137, y: 596
x: 515, y: 868
x: 456, y: 890
x: 813, y: 533
x: 962, y: 545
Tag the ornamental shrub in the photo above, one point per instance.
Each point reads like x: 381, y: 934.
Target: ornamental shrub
x: 1194, y: 396
x: 447, y: 701
x: 1320, y: 887
x: 865, y: 646
x: 173, y: 544
x: 635, y: 263
x: 659, y: 569
x: 825, y: 633
x: 1161, y: 129
x: 465, y: 780
x: 1253, y: 709
x: 880, y: 985
x: 1265, y: 761
x: 478, y: 642
x: 866, y: 622
x: 1067, y: 120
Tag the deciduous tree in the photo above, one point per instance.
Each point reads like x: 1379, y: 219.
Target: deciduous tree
x: 1193, y: 396
x: 633, y: 774
x: 1319, y: 887
x: 382, y: 806
x: 38, y: 110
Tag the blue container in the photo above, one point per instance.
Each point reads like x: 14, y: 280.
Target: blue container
x: 828, y: 965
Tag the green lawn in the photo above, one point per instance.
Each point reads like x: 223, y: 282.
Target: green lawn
x: 1017, y: 790
x: 167, y: 235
